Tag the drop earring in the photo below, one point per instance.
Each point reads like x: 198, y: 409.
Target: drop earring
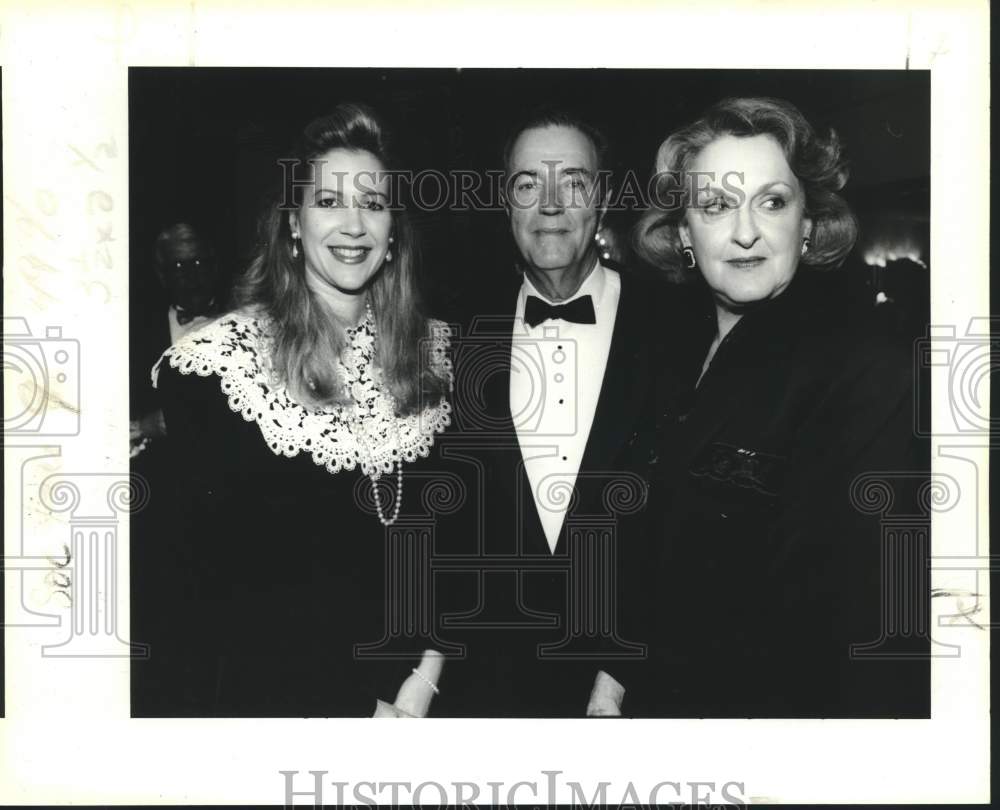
x: 388, y: 253
x: 689, y: 258
x: 295, y: 244
x: 603, y: 245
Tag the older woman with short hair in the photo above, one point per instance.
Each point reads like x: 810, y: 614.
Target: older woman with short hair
x: 768, y: 578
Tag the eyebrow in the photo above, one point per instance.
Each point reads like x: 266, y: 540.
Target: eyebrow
x: 712, y: 187
x: 774, y: 183
x: 571, y: 170
x: 363, y: 192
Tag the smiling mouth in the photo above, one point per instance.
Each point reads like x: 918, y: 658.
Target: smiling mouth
x: 745, y: 264
x: 349, y: 255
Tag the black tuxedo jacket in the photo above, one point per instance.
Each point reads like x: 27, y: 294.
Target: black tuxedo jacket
x: 149, y: 337
x: 538, y: 625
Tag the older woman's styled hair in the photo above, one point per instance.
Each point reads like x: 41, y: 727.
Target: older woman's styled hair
x: 817, y: 161
x: 307, y: 338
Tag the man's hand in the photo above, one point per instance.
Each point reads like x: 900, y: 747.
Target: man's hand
x: 606, y: 697
x: 142, y: 431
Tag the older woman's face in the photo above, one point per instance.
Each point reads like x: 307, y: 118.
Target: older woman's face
x: 344, y: 222
x: 746, y: 222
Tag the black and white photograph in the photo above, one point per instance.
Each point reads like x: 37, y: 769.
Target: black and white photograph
x: 409, y: 369
x: 642, y: 377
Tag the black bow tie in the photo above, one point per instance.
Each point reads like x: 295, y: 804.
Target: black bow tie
x: 183, y: 316
x: 579, y: 310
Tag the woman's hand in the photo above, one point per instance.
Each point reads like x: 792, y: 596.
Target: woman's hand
x: 415, y: 695
x: 606, y: 697
x: 383, y: 709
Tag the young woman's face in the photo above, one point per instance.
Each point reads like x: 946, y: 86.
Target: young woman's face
x: 746, y: 222
x: 344, y: 222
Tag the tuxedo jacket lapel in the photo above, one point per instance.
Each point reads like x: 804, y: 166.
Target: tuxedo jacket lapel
x: 625, y: 385
x: 624, y: 391
x: 514, y: 489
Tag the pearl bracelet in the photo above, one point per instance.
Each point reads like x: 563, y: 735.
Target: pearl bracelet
x: 426, y: 680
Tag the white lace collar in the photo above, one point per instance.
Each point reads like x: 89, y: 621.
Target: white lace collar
x: 235, y: 348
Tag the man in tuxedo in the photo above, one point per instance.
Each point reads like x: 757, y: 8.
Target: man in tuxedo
x: 182, y: 298
x: 554, y: 378
x: 185, y: 298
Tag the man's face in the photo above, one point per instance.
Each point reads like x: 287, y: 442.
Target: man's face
x: 189, y: 275
x: 553, y: 199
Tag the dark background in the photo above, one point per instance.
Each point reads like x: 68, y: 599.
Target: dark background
x: 204, y: 143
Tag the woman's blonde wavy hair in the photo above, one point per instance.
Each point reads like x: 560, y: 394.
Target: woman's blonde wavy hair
x: 307, y: 339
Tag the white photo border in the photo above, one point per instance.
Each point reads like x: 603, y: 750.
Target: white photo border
x: 67, y: 735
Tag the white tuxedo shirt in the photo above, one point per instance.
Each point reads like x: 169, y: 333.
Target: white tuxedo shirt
x: 557, y: 371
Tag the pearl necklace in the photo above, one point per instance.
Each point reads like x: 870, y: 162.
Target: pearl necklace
x: 359, y: 433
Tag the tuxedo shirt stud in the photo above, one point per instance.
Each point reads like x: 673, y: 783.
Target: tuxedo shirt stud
x: 559, y: 354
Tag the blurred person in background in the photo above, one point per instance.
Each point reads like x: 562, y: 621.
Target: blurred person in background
x: 187, y: 272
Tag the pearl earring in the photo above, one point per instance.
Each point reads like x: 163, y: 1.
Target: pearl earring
x: 603, y: 243
x: 295, y: 244
x: 388, y: 253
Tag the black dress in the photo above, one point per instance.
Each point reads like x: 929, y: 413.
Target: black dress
x: 269, y: 579
x: 768, y: 553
